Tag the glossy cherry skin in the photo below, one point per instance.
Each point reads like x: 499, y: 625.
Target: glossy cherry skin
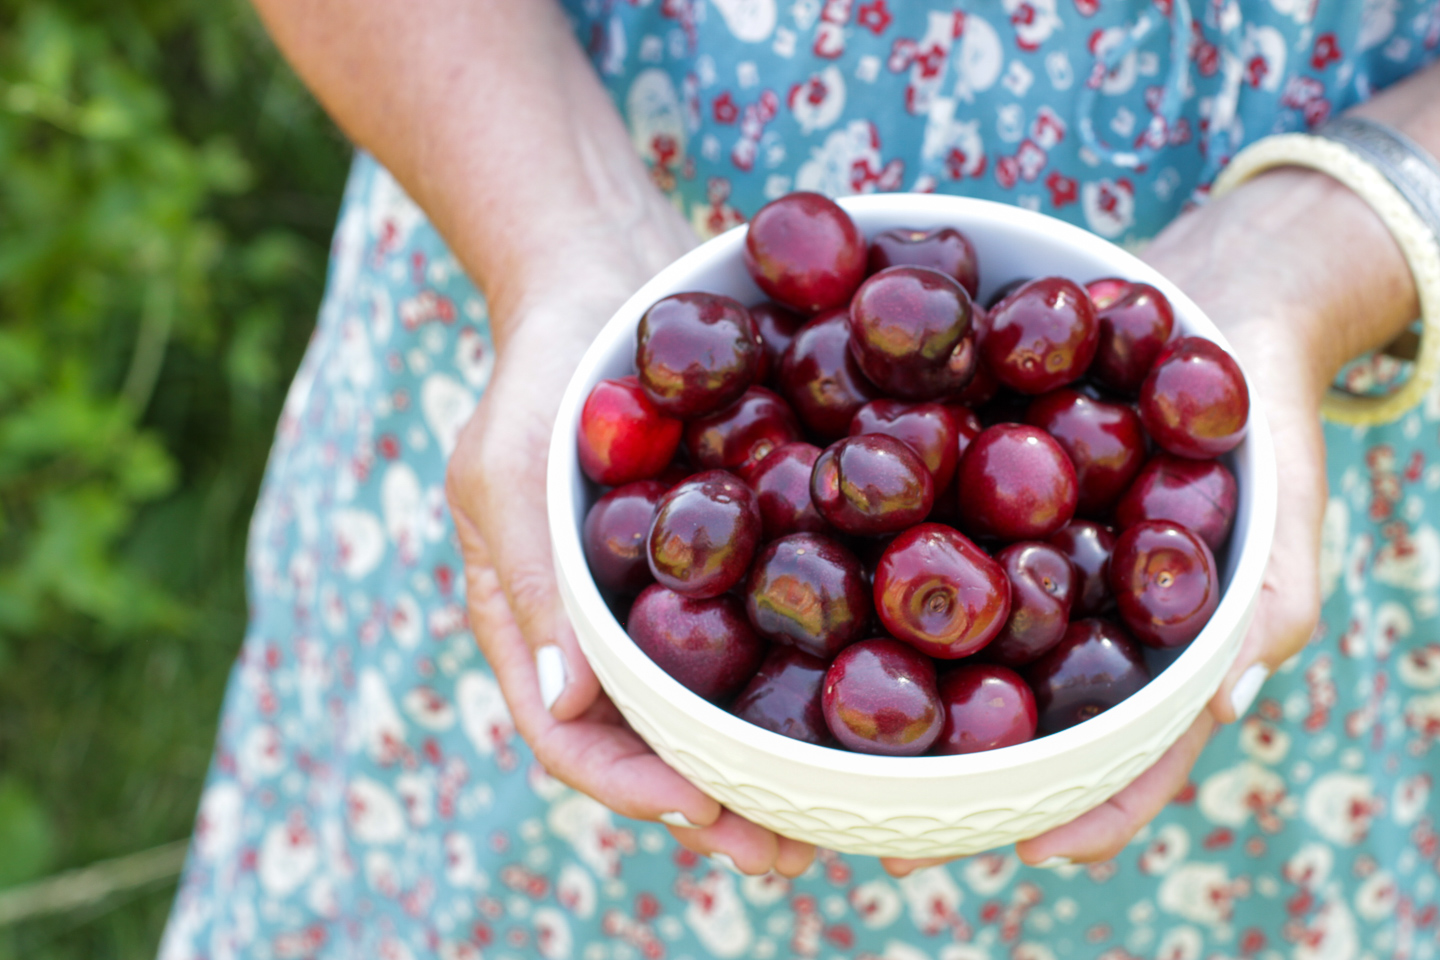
x: 1104, y: 442
x: 987, y: 707
x: 1198, y: 494
x: 932, y: 430
x: 940, y: 593
x: 946, y: 249
x: 808, y: 591
x: 1195, y: 402
x: 704, y: 535
x: 1042, y: 336
x: 705, y: 644
x: 871, y: 485
x: 623, y: 437
x: 820, y: 378
x: 696, y: 353
x: 1095, y: 666
x: 1106, y: 291
x: 1134, y: 329
x: 782, y: 484
x: 1165, y: 583
x: 1015, y: 483
x: 805, y: 252
x: 777, y: 326
x: 615, y: 535
x: 982, y: 386
x: 784, y: 696
x: 880, y: 697
x: 910, y: 333
x: 1088, y: 545
x: 947, y: 499
x: 1042, y: 590
x: 739, y: 436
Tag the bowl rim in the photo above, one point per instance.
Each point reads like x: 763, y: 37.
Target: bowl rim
x: 1255, y: 463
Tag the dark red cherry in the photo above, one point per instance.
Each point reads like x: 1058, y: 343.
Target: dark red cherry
x: 806, y: 252
x: 1133, y: 331
x: 1042, y: 336
x: 1003, y: 292
x: 810, y: 592
x: 871, y: 485
x: 1015, y: 483
x: 821, y: 379
x: 1165, y: 583
x: 623, y: 437
x: 738, y: 437
x: 1106, y: 291
x: 987, y: 707
x: 784, y: 696
x: 707, y: 645
x: 947, y: 250
x: 1042, y: 590
x: 1198, y: 494
x: 1095, y: 666
x: 615, y: 532
x: 910, y: 333
x: 1104, y: 441
x: 1195, y: 402
x: 777, y: 327
x: 1087, y: 546
x: 696, y: 352
x: 947, y: 498
x: 932, y: 430
x: 940, y: 593
x: 982, y: 386
x: 782, y: 484
x: 880, y: 697
x: 704, y: 535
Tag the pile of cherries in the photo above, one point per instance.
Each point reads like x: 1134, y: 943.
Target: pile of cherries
x: 872, y: 513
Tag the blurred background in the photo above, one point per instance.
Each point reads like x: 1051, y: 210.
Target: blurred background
x: 167, y: 191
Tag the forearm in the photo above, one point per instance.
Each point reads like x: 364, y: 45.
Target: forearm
x: 490, y: 116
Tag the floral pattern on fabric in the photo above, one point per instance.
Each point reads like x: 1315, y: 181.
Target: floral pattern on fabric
x: 369, y: 796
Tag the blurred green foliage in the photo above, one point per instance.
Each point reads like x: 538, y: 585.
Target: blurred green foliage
x: 167, y: 189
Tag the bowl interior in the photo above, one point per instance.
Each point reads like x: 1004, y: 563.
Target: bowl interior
x: 1011, y: 243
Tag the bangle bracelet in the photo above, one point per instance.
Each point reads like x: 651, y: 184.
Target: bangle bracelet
x: 1407, y: 224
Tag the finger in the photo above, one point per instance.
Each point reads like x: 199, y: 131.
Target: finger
x: 794, y: 857
x: 732, y: 839
x: 899, y: 867
x: 1103, y: 832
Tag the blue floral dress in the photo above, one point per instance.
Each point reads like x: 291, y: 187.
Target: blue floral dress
x: 369, y: 796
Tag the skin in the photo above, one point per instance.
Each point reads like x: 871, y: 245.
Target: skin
x: 490, y: 116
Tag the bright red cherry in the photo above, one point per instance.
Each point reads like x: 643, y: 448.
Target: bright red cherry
x: 806, y: 252
x: 1106, y: 291
x: 810, y: 592
x: 738, y: 437
x: 1042, y: 336
x: 1088, y: 545
x: 615, y: 532
x: 1165, y: 581
x: 1016, y: 483
x: 1042, y: 590
x: 1134, y: 329
x: 1200, y: 495
x: 1104, y: 441
x: 777, y: 327
x: 910, y: 332
x: 707, y: 645
x: 782, y: 484
x: 1195, y: 402
x: 696, y: 352
x: 986, y: 707
x: 704, y: 534
x: 871, y: 485
x: 1093, y: 668
x: 880, y: 697
x: 623, y: 437
x: 784, y: 696
x: 820, y: 378
x: 932, y: 430
x: 946, y: 249
x: 940, y: 593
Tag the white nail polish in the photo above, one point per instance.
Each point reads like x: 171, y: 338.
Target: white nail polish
x: 677, y: 819
x: 1050, y: 863
x: 1247, y: 688
x: 724, y: 860
x: 550, y: 667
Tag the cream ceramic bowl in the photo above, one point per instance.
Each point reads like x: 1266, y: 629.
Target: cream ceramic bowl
x: 892, y: 806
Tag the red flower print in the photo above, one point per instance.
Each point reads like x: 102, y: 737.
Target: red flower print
x: 1256, y: 70
x: 725, y: 109
x: 1326, y: 52
x: 1063, y: 190
x: 874, y: 17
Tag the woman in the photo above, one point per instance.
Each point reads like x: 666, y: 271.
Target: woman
x: 372, y: 792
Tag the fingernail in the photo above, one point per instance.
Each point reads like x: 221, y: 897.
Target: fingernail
x: 677, y: 819
x: 1050, y: 863
x: 1247, y: 688
x: 550, y: 666
x: 724, y: 860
